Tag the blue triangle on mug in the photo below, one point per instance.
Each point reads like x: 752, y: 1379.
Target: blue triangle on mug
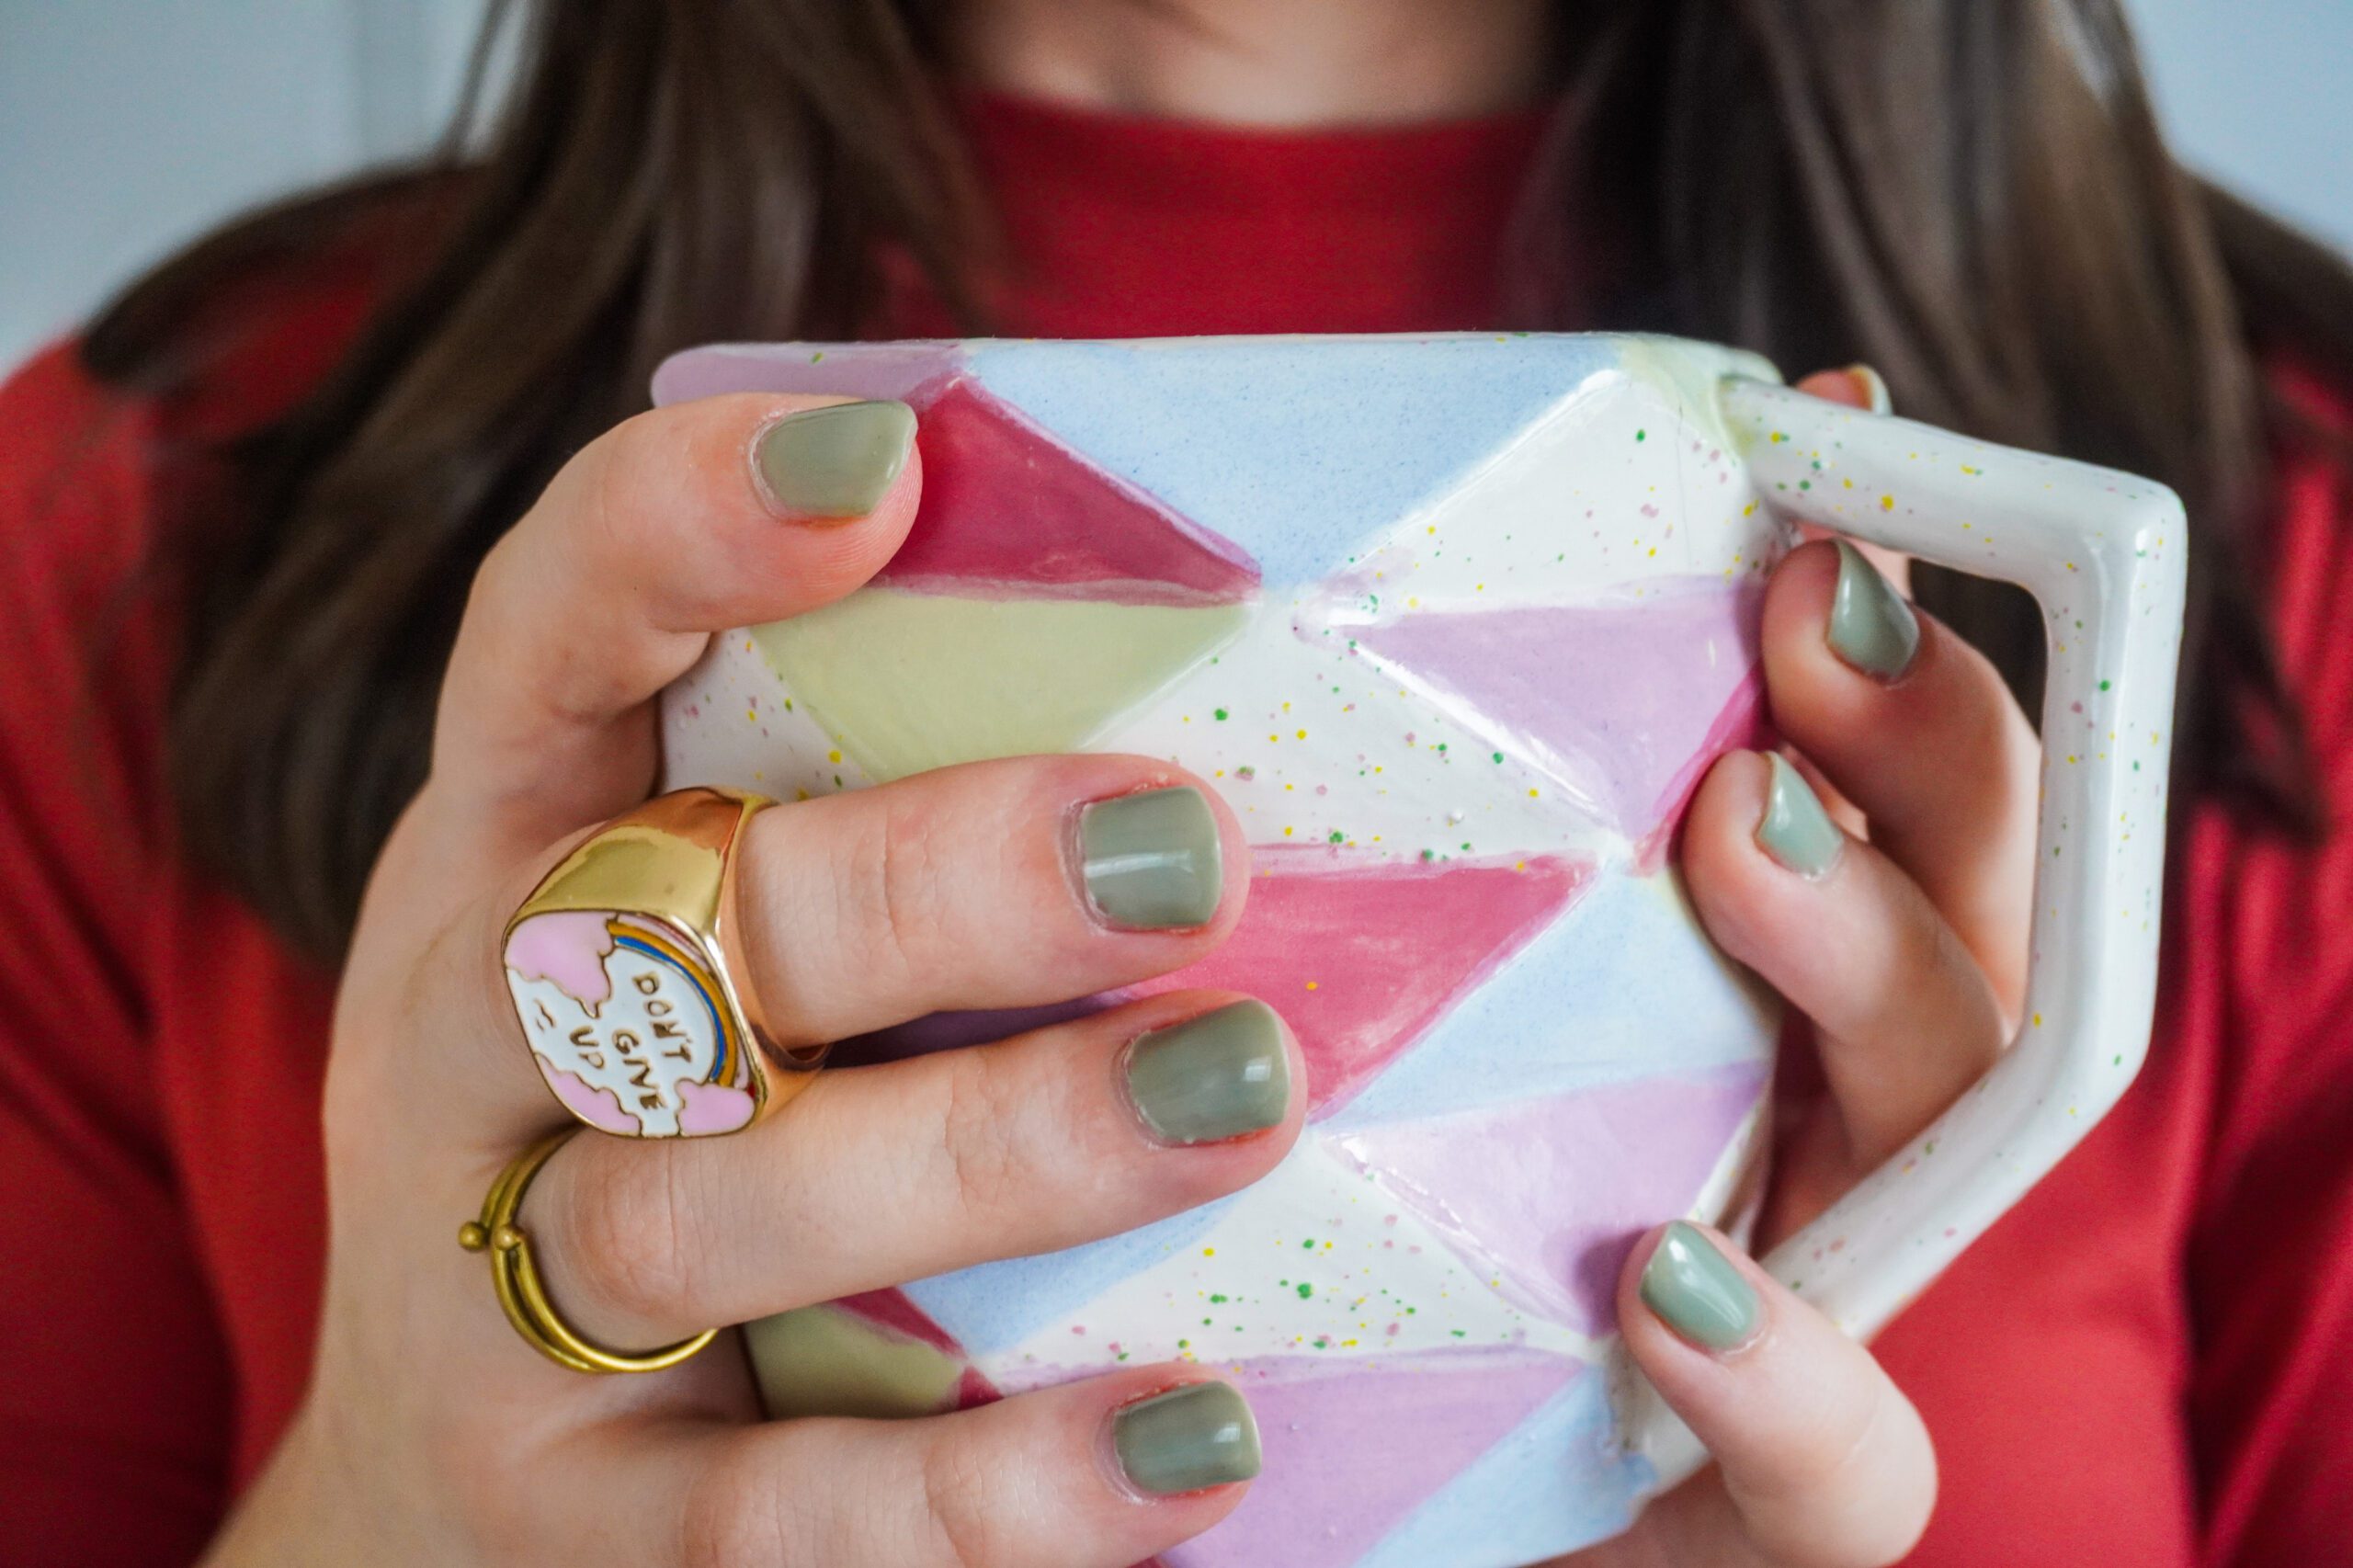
x: 1297, y: 450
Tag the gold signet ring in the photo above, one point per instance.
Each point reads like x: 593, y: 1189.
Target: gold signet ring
x: 630, y: 984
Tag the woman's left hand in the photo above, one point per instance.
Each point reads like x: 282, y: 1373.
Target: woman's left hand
x: 1904, y: 942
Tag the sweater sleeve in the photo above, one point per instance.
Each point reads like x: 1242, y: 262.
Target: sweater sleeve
x: 115, y: 1410
x: 2269, y: 1270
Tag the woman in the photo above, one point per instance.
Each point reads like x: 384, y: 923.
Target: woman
x: 343, y: 564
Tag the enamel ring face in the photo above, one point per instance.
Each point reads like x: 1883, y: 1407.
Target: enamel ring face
x: 629, y: 983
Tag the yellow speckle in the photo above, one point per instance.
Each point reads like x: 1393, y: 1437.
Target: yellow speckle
x: 833, y: 757
x: 1887, y: 502
x: 1302, y: 734
x: 2038, y: 1021
x: 1848, y: 482
x: 1531, y: 793
x: 1286, y: 833
x: 1209, y: 1252
x: 1432, y: 529
x: 1312, y: 985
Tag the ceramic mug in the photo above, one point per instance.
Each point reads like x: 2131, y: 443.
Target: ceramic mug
x: 1455, y: 623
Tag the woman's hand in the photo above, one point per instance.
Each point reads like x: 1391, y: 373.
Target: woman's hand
x: 1906, y: 951
x: 431, y: 1432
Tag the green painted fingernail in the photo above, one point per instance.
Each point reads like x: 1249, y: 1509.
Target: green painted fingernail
x: 1871, y: 626
x: 1200, y: 1434
x: 1153, y: 860
x: 1219, y: 1075
x: 838, y: 461
x: 1796, y: 830
x: 1696, y: 1291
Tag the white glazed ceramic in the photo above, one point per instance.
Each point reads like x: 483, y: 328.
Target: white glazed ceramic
x: 1455, y: 623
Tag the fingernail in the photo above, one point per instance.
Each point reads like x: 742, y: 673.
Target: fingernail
x: 1871, y: 626
x: 1874, y: 389
x: 838, y: 461
x: 1219, y: 1075
x: 1796, y: 830
x: 1696, y: 1293
x: 1201, y: 1435
x: 1153, y: 860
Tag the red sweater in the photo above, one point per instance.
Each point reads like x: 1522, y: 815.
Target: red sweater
x: 2149, y: 1363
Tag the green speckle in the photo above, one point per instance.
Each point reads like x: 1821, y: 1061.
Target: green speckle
x: 2118, y: 1061
x: 1220, y: 715
x: 1642, y: 435
x: 817, y: 355
x: 1305, y: 1289
x: 1217, y: 1301
x: 1432, y: 854
x: 1308, y: 1244
x: 1336, y: 836
x: 1461, y: 1334
x: 2103, y: 686
x: 1497, y: 756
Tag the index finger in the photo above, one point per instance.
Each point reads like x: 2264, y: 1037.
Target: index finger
x: 676, y: 524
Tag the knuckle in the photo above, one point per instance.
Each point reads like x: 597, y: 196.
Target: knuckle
x: 1828, y: 1457
x: 961, y: 1525
x: 982, y: 1140
x: 739, y: 1512
x: 622, y: 1227
x: 907, y: 886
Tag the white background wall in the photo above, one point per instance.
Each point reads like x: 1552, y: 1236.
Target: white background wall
x: 128, y: 126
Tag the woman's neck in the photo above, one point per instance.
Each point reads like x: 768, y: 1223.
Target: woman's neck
x: 1271, y: 63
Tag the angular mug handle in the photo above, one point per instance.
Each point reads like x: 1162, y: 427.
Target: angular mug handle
x: 2104, y: 554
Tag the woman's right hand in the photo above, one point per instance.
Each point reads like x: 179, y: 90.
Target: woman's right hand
x: 432, y: 1433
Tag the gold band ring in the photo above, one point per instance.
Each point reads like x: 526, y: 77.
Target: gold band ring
x: 517, y: 1277
x: 629, y: 981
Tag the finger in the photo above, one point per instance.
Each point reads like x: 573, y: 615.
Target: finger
x: 879, y: 1174
x: 1096, y: 1475
x: 725, y: 512
x: 991, y: 884
x: 1821, y: 1460
x: 1009, y: 884
x: 1857, y: 386
x: 1905, y: 1018
x: 1922, y: 735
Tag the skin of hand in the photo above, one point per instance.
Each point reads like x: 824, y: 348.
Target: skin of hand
x: 1900, y: 935
x: 432, y: 1433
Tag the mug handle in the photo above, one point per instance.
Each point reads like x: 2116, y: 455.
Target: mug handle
x: 2103, y: 555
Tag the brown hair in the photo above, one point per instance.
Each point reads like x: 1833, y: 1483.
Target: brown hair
x: 1971, y: 195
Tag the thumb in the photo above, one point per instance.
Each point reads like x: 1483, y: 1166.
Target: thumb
x: 1821, y: 1460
